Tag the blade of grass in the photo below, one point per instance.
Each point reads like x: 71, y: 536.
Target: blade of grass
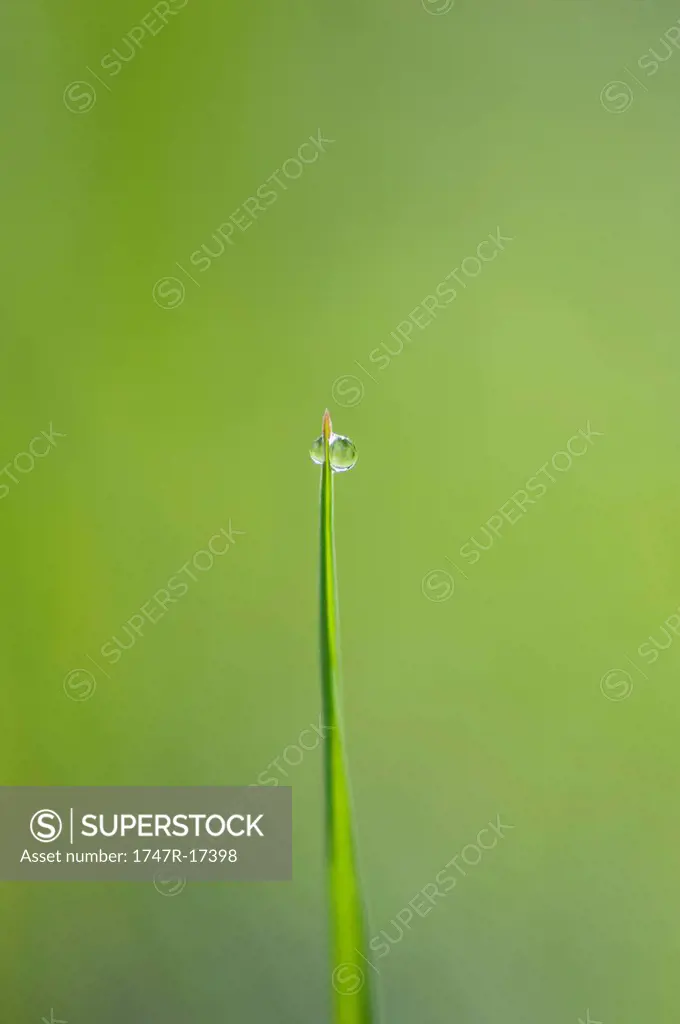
x: 352, y: 1002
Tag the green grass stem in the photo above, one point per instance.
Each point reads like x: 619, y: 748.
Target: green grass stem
x: 351, y: 981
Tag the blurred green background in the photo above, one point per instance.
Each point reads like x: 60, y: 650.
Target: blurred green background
x: 447, y: 124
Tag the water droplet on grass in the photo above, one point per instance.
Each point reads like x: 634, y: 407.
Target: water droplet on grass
x: 343, y: 452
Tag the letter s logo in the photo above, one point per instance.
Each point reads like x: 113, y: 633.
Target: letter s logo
x: 46, y: 826
x: 168, y: 292
x: 79, y: 97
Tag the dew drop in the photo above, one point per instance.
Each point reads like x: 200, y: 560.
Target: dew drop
x: 316, y: 451
x: 343, y: 453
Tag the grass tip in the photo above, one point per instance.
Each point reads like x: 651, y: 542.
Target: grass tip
x: 326, y: 425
